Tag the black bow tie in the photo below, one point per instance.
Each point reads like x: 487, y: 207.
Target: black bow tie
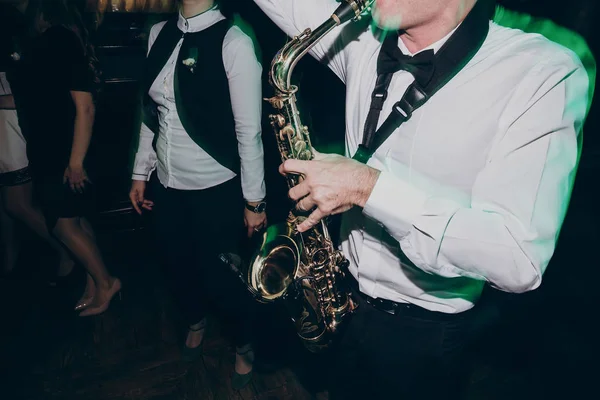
x: 391, y: 60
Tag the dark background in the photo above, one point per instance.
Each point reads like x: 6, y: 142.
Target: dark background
x: 544, y: 343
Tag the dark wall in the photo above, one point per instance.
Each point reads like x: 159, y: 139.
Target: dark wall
x: 121, y: 42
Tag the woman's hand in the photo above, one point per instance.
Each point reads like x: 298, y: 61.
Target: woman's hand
x: 76, y: 177
x: 254, y: 222
x: 136, y: 195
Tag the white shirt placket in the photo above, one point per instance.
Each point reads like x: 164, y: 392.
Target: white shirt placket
x: 168, y: 84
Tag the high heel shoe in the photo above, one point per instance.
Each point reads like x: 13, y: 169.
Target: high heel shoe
x: 239, y: 381
x: 190, y: 354
x: 87, y: 297
x: 84, y: 303
x: 114, y: 289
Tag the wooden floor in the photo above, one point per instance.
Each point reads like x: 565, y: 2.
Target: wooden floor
x: 132, y: 351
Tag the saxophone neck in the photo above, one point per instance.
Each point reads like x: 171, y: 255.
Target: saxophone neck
x: 286, y: 59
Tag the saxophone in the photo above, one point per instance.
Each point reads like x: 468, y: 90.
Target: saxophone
x: 302, y: 269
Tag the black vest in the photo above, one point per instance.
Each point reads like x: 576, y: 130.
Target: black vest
x: 201, y: 92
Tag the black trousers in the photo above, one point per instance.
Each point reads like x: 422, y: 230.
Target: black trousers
x: 421, y: 355
x: 192, y: 228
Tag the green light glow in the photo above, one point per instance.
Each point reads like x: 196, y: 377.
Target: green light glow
x: 247, y: 29
x: 555, y: 33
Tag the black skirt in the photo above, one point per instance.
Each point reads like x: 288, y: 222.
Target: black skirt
x: 15, y: 178
x: 57, y: 200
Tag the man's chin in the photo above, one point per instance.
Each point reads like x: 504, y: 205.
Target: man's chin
x: 386, y: 21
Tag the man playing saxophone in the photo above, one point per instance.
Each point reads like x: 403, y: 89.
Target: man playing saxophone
x: 471, y: 189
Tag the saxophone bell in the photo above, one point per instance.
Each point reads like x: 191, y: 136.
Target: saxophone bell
x: 275, y: 265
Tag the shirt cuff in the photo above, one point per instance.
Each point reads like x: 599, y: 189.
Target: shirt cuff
x: 141, y: 177
x: 395, y: 203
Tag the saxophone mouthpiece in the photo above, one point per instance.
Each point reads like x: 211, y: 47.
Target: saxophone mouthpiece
x: 351, y: 10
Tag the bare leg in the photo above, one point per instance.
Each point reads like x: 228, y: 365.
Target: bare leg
x: 9, y: 243
x: 90, y: 287
x: 18, y: 202
x: 70, y: 232
x: 87, y: 227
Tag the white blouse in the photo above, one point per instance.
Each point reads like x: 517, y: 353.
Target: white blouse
x: 181, y: 163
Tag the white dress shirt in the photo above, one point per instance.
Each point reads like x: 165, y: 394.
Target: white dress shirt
x: 475, y: 186
x: 184, y: 165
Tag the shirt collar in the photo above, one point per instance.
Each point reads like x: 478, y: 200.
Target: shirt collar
x: 200, y: 21
x: 435, y: 46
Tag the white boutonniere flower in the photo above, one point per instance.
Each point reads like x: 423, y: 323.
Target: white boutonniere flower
x: 15, y: 56
x: 190, y: 63
x: 192, y: 59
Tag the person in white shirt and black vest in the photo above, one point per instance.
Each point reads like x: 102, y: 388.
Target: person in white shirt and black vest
x: 202, y: 133
x: 469, y: 188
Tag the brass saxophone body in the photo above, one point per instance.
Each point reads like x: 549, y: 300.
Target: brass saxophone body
x: 302, y: 269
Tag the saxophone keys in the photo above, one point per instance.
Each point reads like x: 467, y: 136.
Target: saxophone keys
x: 305, y: 155
x: 277, y: 119
x: 299, y: 147
x: 287, y: 131
x: 275, y: 102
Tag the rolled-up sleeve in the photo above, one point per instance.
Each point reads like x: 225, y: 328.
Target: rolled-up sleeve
x: 505, y: 230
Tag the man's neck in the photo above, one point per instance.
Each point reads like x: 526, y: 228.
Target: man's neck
x: 190, y: 8
x: 424, y: 35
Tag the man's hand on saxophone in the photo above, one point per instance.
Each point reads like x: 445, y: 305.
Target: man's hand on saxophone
x: 332, y: 184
